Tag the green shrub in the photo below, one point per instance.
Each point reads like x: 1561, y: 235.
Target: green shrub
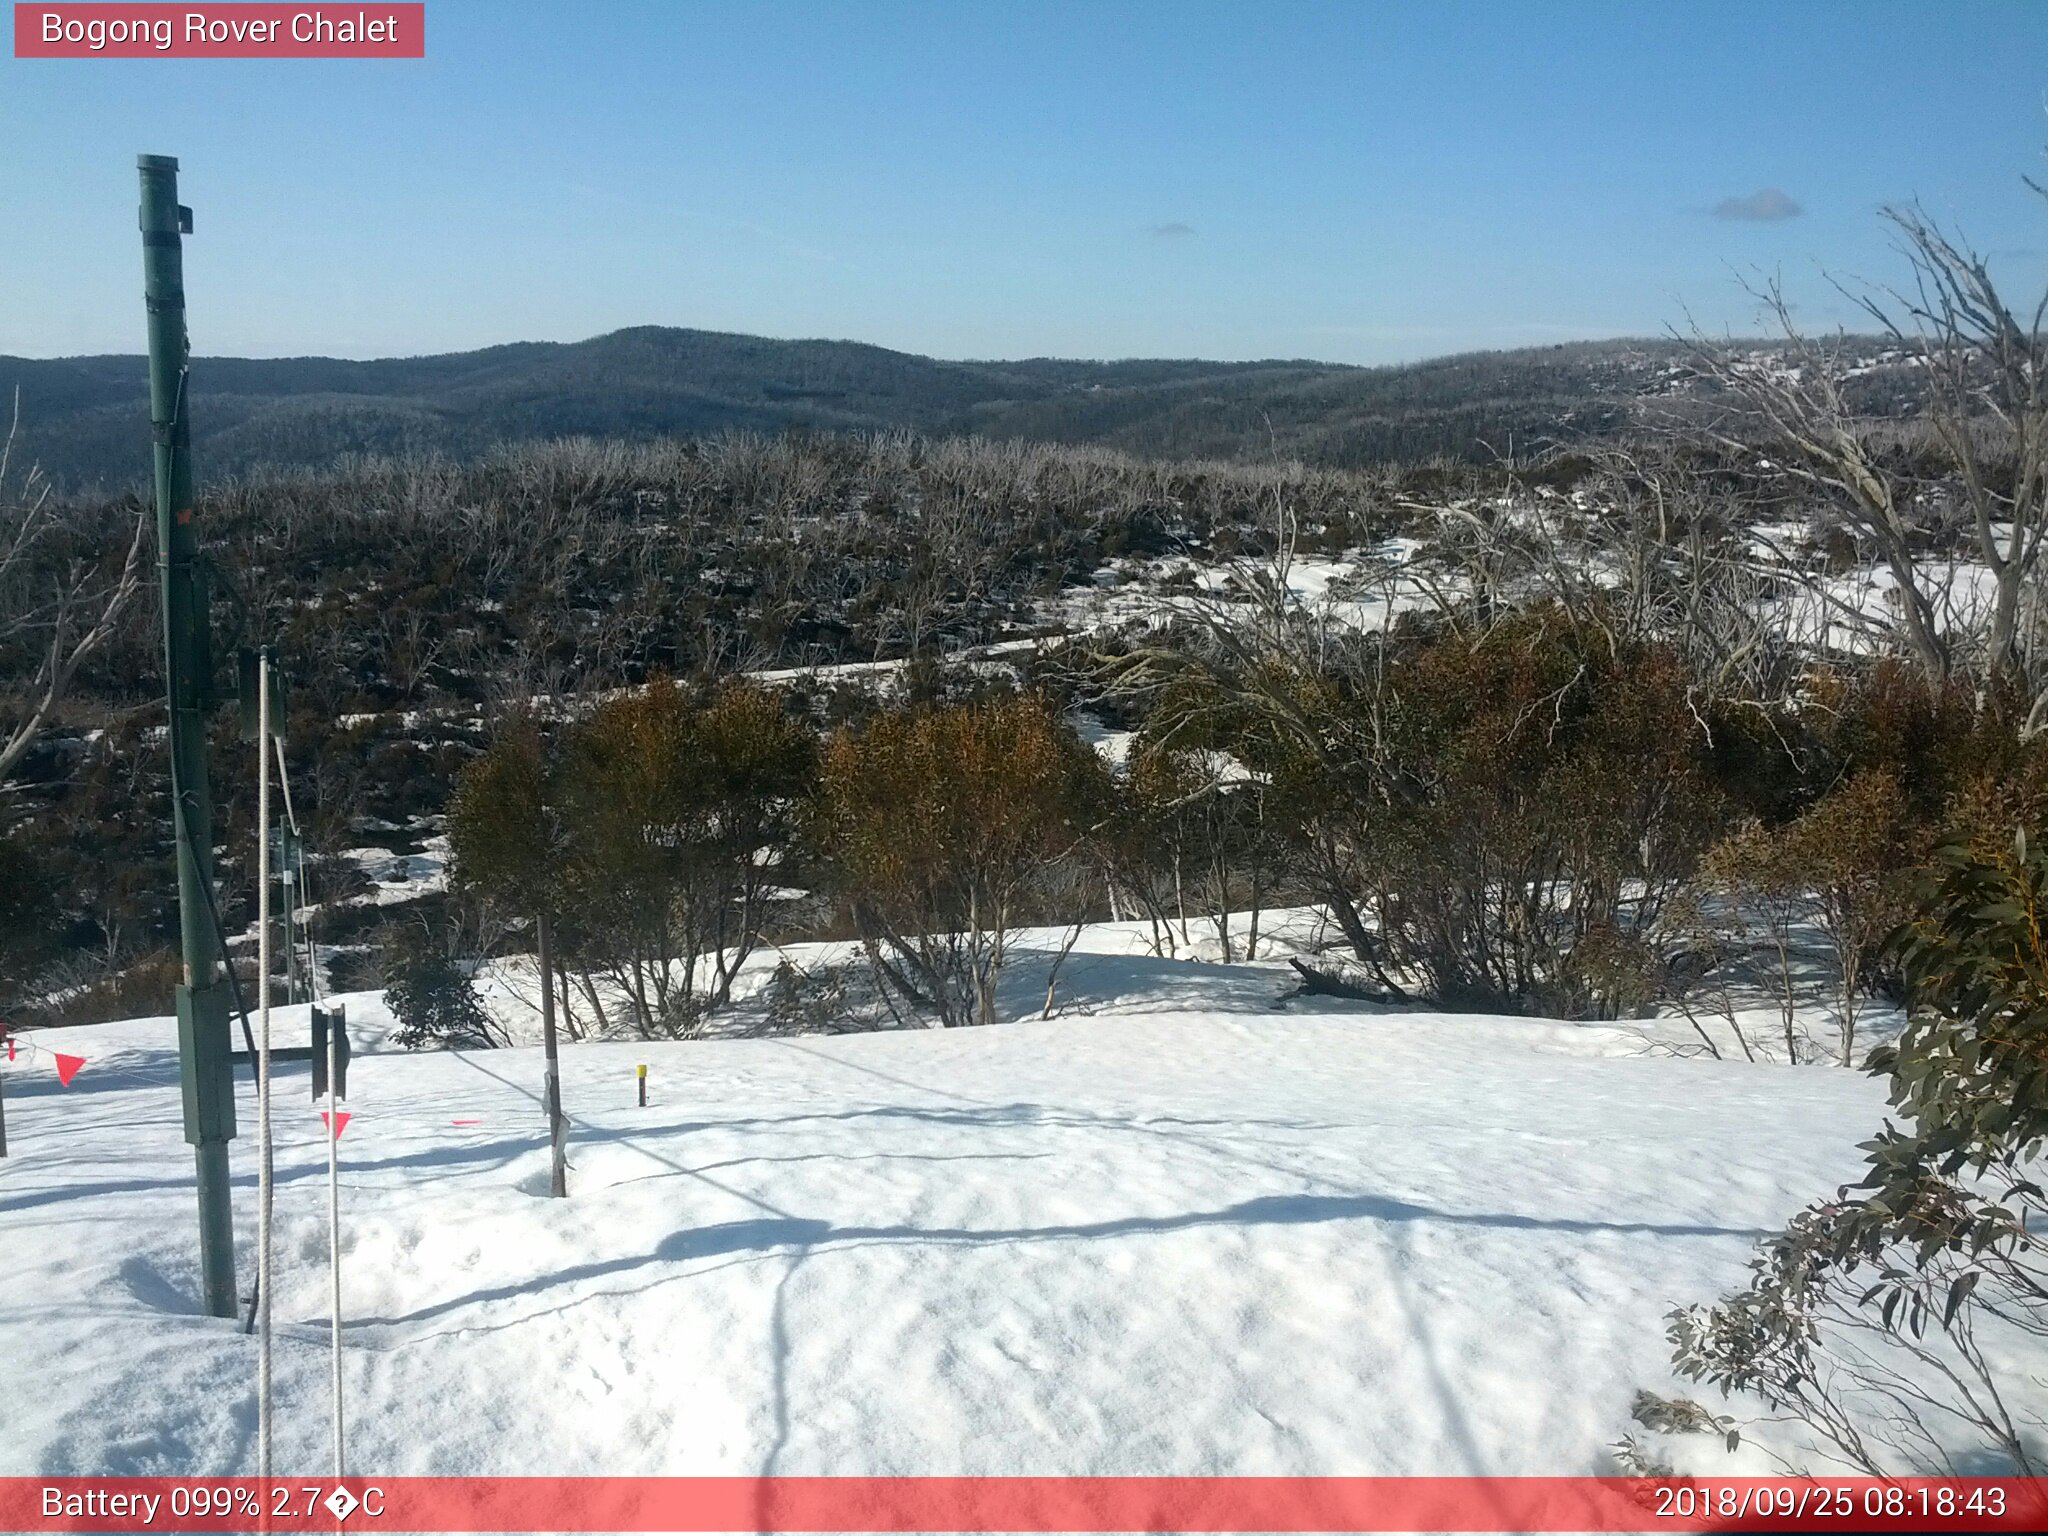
x: 432, y: 997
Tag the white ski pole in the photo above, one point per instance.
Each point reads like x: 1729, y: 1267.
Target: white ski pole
x: 263, y: 1286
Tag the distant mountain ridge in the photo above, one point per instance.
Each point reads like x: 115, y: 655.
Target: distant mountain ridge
x: 84, y: 419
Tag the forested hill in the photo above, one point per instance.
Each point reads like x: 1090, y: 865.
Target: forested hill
x: 84, y: 419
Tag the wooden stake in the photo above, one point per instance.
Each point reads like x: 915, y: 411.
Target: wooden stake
x: 558, y: 1137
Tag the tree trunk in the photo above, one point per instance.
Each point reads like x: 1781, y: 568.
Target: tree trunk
x: 561, y: 975
x: 604, y: 1024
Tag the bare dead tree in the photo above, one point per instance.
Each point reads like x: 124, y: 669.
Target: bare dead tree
x: 1665, y: 554
x: 55, y: 604
x: 1980, y: 369
x: 1987, y: 402
x: 1794, y: 401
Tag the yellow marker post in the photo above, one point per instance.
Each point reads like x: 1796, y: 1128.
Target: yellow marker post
x: 643, y: 1085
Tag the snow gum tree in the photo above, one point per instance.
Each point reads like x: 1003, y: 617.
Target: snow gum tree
x: 1470, y: 805
x: 942, y: 826
x: 505, y: 831
x: 1842, y: 866
x: 682, y: 811
x: 503, y: 826
x: 1197, y: 789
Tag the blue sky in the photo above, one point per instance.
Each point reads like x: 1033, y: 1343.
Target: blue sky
x: 1361, y: 182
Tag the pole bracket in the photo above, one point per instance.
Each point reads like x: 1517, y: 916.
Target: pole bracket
x: 209, y: 1087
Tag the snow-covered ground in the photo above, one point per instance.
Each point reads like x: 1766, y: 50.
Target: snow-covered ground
x: 1188, y: 1226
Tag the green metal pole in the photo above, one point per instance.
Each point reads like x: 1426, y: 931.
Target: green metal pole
x: 202, y: 997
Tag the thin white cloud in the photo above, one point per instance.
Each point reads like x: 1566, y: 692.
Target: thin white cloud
x: 1767, y: 206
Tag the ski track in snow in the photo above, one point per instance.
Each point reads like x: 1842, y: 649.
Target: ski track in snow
x: 1170, y: 1236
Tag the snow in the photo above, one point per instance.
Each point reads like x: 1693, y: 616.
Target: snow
x: 400, y: 877
x: 1773, y: 540
x: 978, y: 656
x: 1362, y: 592
x: 1184, y: 1227
x: 996, y: 658
x: 1113, y: 745
x: 1856, y: 612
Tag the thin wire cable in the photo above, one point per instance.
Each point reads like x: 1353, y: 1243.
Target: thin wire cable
x: 288, y: 876
x: 263, y: 1173
x: 302, y: 889
x: 220, y: 939
x: 284, y: 782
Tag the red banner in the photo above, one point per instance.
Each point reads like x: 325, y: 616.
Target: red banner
x: 112, y: 31
x: 1090, y: 1504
